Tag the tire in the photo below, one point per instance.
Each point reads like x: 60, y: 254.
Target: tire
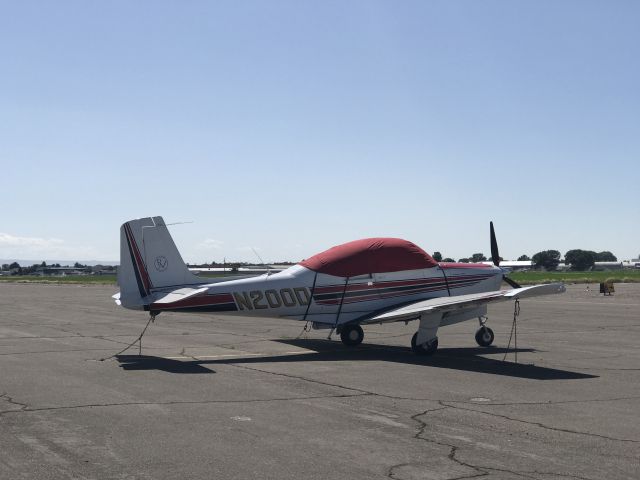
x: 425, y: 349
x: 484, y: 336
x: 351, y: 335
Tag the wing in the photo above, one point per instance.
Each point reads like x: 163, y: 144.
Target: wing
x: 463, y: 302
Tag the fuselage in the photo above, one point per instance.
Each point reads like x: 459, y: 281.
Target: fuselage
x: 299, y: 293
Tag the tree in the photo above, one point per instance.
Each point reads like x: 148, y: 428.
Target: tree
x: 29, y: 270
x: 5, y: 266
x: 547, y: 259
x: 437, y: 256
x: 605, y: 257
x: 523, y: 258
x: 448, y: 259
x: 580, y: 260
x: 464, y: 260
x: 477, y: 257
x: 43, y: 264
x: 14, y: 265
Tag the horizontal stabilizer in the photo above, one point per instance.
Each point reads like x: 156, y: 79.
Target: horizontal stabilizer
x: 177, y: 295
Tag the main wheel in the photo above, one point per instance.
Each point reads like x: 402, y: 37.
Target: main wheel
x: 351, y: 335
x: 428, y: 348
x: 484, y: 336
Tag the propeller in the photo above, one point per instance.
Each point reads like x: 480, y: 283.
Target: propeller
x: 495, y: 255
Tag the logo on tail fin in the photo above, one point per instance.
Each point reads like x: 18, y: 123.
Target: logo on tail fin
x: 161, y: 263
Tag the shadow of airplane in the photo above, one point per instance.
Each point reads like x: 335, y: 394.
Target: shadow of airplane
x: 464, y: 359
x: 146, y: 362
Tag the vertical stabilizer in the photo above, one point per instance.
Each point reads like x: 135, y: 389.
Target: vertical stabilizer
x: 149, y: 261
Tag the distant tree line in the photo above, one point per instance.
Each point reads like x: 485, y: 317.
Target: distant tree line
x: 579, y: 260
x: 16, y: 269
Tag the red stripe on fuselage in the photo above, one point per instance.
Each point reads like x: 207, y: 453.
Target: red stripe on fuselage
x: 198, y: 301
x: 371, y: 298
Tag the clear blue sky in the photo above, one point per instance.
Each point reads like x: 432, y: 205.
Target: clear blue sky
x: 293, y: 126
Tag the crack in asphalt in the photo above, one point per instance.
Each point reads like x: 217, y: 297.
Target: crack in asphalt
x: 33, y: 337
x: 480, y: 470
x: 297, y: 377
x: 11, y: 401
x: 549, y: 402
x: 70, y: 350
x: 538, y: 472
x: 453, y: 449
x: 528, y: 473
x: 328, y: 384
x: 95, y: 337
x: 542, y: 425
x: 73, y: 335
x: 24, y: 408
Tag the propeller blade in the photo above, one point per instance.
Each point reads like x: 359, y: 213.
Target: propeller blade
x: 513, y: 283
x: 495, y: 255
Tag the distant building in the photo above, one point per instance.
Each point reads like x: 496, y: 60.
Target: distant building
x: 48, y: 271
x: 608, y: 266
x: 514, y: 264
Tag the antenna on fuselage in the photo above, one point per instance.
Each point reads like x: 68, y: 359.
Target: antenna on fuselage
x: 262, y: 261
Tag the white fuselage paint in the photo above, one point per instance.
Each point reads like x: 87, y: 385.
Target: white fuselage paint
x: 298, y: 293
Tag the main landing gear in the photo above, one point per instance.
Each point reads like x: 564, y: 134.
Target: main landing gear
x: 351, y: 335
x: 484, y: 335
x: 427, y: 348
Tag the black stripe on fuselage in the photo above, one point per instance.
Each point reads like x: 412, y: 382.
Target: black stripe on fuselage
x: 141, y: 288
x: 221, y: 307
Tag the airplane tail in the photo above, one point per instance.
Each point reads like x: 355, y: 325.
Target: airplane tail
x: 149, y: 261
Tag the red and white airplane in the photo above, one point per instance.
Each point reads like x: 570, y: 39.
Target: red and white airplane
x: 373, y: 280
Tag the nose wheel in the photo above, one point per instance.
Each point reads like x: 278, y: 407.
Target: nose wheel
x: 484, y: 336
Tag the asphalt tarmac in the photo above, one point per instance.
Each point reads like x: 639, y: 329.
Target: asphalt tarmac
x: 241, y: 398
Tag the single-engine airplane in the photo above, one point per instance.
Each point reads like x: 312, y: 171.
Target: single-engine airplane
x: 373, y: 280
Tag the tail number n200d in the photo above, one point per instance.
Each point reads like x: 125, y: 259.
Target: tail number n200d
x: 260, y: 299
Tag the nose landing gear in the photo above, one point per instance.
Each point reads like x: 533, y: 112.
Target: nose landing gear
x: 484, y: 335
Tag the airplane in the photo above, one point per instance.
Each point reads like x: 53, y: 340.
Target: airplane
x: 367, y: 281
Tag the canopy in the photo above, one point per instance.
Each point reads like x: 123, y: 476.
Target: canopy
x: 370, y: 255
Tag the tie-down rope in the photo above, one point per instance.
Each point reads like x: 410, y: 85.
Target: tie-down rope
x: 514, y: 332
